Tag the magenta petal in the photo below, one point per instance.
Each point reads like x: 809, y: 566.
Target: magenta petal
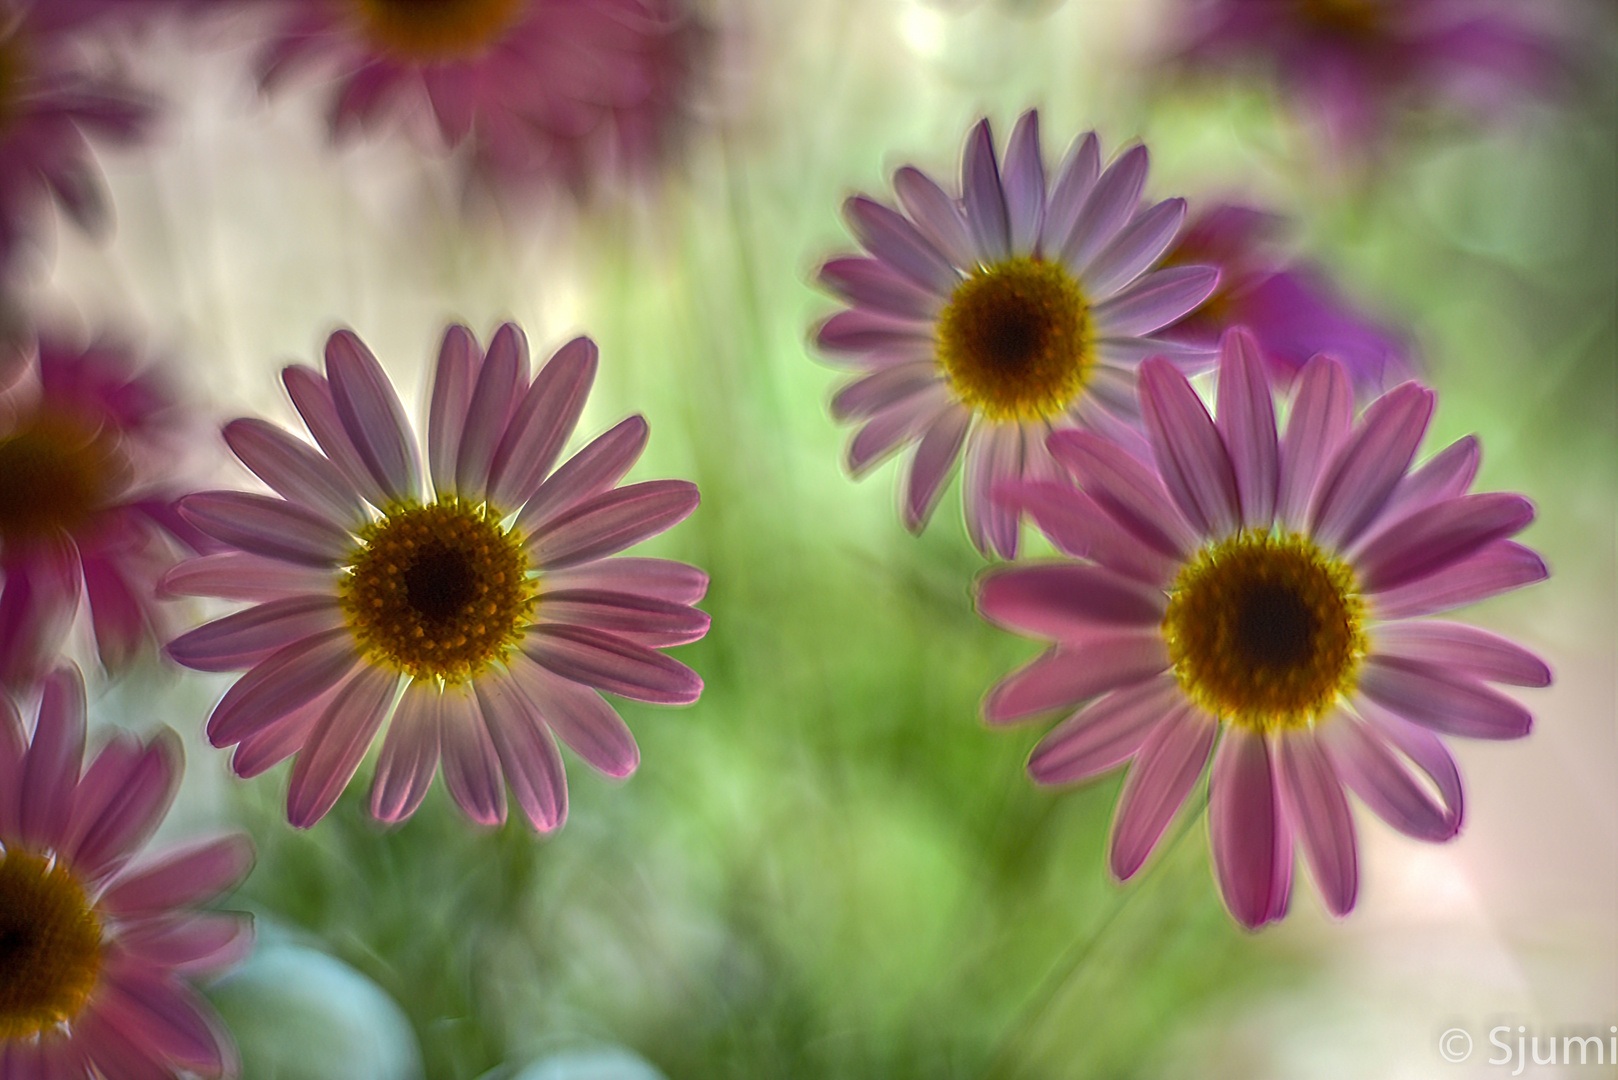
x: 311, y: 393
x: 471, y: 768
x: 1154, y: 301
x: 1079, y: 527
x: 280, y: 684
x: 1133, y: 251
x: 996, y: 454
x: 1463, y: 648
x: 648, y: 621
x: 861, y: 333
x: 270, y: 527
x: 890, y: 237
x: 935, y: 457
x: 1022, y: 178
x: 1062, y: 600
x: 190, y: 944
x: 1166, y: 768
x: 1499, y: 567
x: 1075, y: 179
x: 982, y: 196
x: 612, y: 521
x: 1066, y: 675
x: 658, y: 579
x: 1106, y: 209
x: 1439, y: 536
x: 528, y: 754
x: 1369, y: 765
x: 410, y: 751
x: 937, y: 216
x: 181, y: 877
x: 611, y: 663
x: 337, y: 744
x: 266, y: 747
x: 164, y: 1018
x: 249, y: 637
x: 883, y: 389
x: 119, y: 619
x: 1370, y: 465
x: 13, y: 750
x: 295, y: 470
x: 37, y: 608
x: 1247, y: 423
x: 1190, y: 454
x: 1318, y: 809
x: 50, y: 773
x: 122, y: 799
x: 587, y: 473
x: 459, y: 358
x: 372, y: 416
x: 1104, y: 734
x: 1125, y: 489
x: 543, y: 423
x: 580, y: 718
x: 1445, y: 701
x: 501, y: 383
x: 237, y: 575
x: 1322, y: 414
x: 1448, y: 474
x: 1248, y: 832
x: 872, y: 283
x: 888, y: 430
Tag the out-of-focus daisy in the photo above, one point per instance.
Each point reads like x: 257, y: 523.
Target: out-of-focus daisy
x: 1265, y: 593
x: 1291, y: 309
x: 49, y: 103
x: 989, y: 318
x: 99, y: 952
x: 83, y: 505
x: 486, y: 610
x: 569, y: 90
x: 1355, y: 61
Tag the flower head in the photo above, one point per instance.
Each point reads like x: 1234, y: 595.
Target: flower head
x: 83, y: 509
x: 98, y: 951
x: 987, y: 320
x: 568, y: 90
x: 1265, y: 593
x: 483, y: 614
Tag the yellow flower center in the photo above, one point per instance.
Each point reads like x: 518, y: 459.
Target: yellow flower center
x: 53, y: 477
x: 438, y: 591
x: 50, y: 945
x: 437, y: 29
x: 1014, y: 339
x: 1351, y: 18
x: 1265, y: 631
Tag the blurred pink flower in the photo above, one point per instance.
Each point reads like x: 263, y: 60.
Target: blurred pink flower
x: 990, y: 318
x: 565, y: 90
x: 493, y: 605
x: 49, y: 103
x: 1290, y: 308
x: 1265, y: 592
x: 1355, y: 61
x: 98, y: 952
x: 83, y: 505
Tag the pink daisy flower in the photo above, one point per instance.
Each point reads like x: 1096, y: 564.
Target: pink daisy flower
x: 569, y: 90
x: 1291, y: 309
x: 1265, y: 593
x: 48, y: 105
x: 988, y: 319
x: 99, y: 952
x: 483, y: 616
x: 1355, y: 61
x: 83, y: 508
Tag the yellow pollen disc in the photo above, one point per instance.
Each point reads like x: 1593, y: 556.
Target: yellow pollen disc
x: 438, y: 592
x: 437, y: 29
x: 1265, y: 630
x: 1352, y: 18
x: 1014, y: 339
x: 50, y: 945
x: 53, y: 477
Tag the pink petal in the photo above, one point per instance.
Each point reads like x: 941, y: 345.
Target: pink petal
x: 528, y: 754
x: 50, y: 772
x: 890, y: 237
x: 13, y: 749
x: 471, y: 768
x: 612, y: 663
x: 268, y: 746
x: 280, y: 684
x: 868, y: 335
x: 657, y: 579
x: 656, y: 623
x: 590, y: 472
x: 249, y: 637
x: 1247, y: 424
x: 873, y: 284
x: 1369, y: 765
x: 1166, y: 768
x: 181, y: 877
x: 270, y: 527
x: 337, y: 745
x: 37, y: 607
x: 1075, y: 179
x: 1313, y: 796
x: 311, y: 394
x: 580, y: 718
x: 997, y: 454
x: 459, y: 358
x: 1069, y: 674
x: 1440, y: 536
x: 1108, y: 208
x: 981, y: 194
x: 1078, y: 527
x: 1248, y: 832
x: 1447, y: 702
x: 296, y: 471
x: 1023, y: 181
x: 1154, y: 301
x: 1463, y: 648
x: 237, y: 575
x: 1369, y: 465
x: 1448, y: 474
x: 372, y: 416
x: 937, y: 216
x: 95, y: 1044
x: 164, y: 1018
x: 1190, y: 454
x: 501, y: 382
x: 894, y: 426
x: 1125, y: 489
x: 122, y: 799
x: 1063, y: 601
x: 190, y: 944
x: 1499, y: 567
x: 611, y: 521
x: 1104, y: 734
x: 930, y: 467
x: 1322, y: 413
x: 884, y: 388
x: 410, y: 753
x: 119, y: 619
x: 1134, y: 250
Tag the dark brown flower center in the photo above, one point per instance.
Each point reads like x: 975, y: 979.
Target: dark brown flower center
x: 438, y: 591
x: 53, y: 477
x: 437, y: 29
x: 1356, y: 19
x: 50, y: 945
x: 1265, y: 631
x: 1015, y: 340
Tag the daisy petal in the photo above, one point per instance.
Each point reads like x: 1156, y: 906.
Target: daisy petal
x: 1248, y: 832
x: 238, y: 575
x: 296, y: 472
x: 182, y: 877
x: 267, y: 526
x: 122, y: 799
x: 192, y: 944
x: 1247, y: 424
x: 587, y: 473
x: 1439, y: 536
x: 1127, y: 490
x: 1499, y: 567
x: 1447, y: 475
x: 1425, y: 750
x: 337, y: 744
x: 1075, y: 179
x: 887, y: 235
x: 1065, y: 601
x: 580, y: 718
x: 1104, y: 734
x: 859, y: 332
x: 658, y: 579
x: 528, y: 754
x: 1369, y: 465
x: 930, y: 468
x: 883, y: 389
x: 281, y: 683
x: 471, y: 767
x: 888, y: 430
x: 982, y: 196
x: 1067, y: 675
x: 1446, y: 702
x: 410, y: 752
x: 1107, y: 209
x: 164, y: 1018
x: 871, y: 283
x: 1023, y: 180
x: 1464, y: 648
x: 501, y: 382
x: 936, y: 215
x: 1079, y: 527
x: 612, y: 521
x: 1134, y: 250
x: 1371, y: 768
x: 1154, y: 301
x: 997, y: 453
x: 1315, y: 804
x: 50, y: 772
x: 372, y: 416
x: 248, y: 637
x: 311, y: 394
x: 656, y: 623
x: 1322, y: 413
x: 459, y: 358
x: 1166, y: 768
x: 607, y: 662
x: 1190, y: 454
x: 268, y: 746
x: 543, y: 423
